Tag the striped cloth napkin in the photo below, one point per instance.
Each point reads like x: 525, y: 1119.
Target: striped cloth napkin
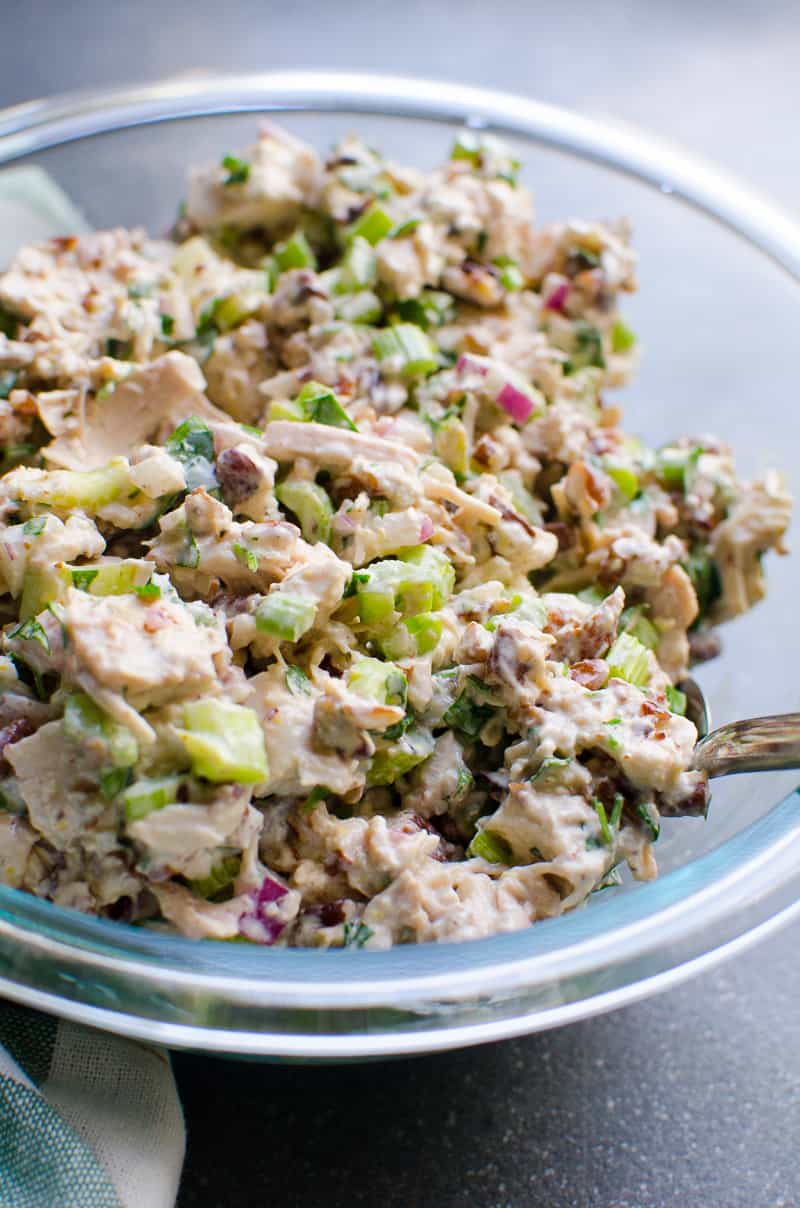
x: 87, y: 1120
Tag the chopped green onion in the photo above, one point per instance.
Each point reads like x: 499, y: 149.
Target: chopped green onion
x: 551, y: 764
x: 238, y: 170
x: 587, y: 350
x: 220, y: 878
x: 144, y: 796
x: 373, y: 225
x: 224, y: 741
x: 357, y: 934
x: 286, y: 409
x: 312, y: 507
x: 629, y: 660
x: 317, y: 794
x: 510, y: 276
x: 294, y: 252
x: 675, y: 467
x: 409, y: 346
x: 113, y: 781
x: 245, y: 556
x: 31, y: 631
x: 297, y: 681
x: 148, y: 591
x: 83, y: 578
x: 616, y: 813
x: 192, y: 444
x: 649, y: 816
x: 431, y: 309
x: 320, y: 405
x: 467, y: 716
x: 285, y: 616
x: 622, y: 338
x: 404, y: 228
x: 605, y: 830
x: 397, y: 758
x: 489, y: 847
x: 676, y: 700
x: 167, y: 326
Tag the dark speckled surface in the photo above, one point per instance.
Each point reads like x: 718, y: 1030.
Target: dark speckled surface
x: 692, y: 1098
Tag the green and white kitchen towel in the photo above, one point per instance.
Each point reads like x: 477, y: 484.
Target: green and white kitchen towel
x: 87, y: 1120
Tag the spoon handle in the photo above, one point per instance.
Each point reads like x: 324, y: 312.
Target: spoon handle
x: 758, y: 745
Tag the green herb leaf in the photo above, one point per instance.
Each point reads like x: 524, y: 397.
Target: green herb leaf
x: 192, y: 444
x: 357, y: 934
x: 148, y: 591
x: 167, y: 326
x: 114, y: 780
x: 31, y: 631
x: 238, y: 170
x: 35, y: 526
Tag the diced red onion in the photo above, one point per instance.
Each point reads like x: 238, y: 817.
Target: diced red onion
x: 426, y: 528
x: 556, y: 300
x: 507, y: 387
x: 258, y: 924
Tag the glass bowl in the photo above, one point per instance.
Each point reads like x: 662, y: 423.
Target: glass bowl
x: 716, y: 316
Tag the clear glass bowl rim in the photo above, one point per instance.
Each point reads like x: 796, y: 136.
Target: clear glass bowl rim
x: 341, y: 1005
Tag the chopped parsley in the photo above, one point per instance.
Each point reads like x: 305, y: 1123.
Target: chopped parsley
x: 31, y: 631
x: 238, y: 170
x: 357, y: 934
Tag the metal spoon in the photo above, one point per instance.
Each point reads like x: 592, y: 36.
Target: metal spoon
x: 759, y: 744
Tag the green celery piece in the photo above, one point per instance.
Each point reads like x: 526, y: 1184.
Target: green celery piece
x: 626, y: 480
x: 628, y: 660
x: 676, y: 700
x: 452, y: 446
x: 294, y: 252
x: 675, y: 466
x: 144, y: 796
x: 426, y: 630
x: 622, y: 338
x: 379, y: 681
x: 433, y: 566
x: 286, y: 409
x: 312, y: 507
x: 409, y: 345
x: 224, y: 741
x: 43, y: 585
x: 85, y: 722
x: 358, y: 269
x: 364, y: 307
x: 222, y: 875
x: 320, y: 405
x: 397, y: 758
x: 285, y: 616
x: 373, y: 225
x: 114, y: 577
x: 634, y: 622
x: 87, y: 489
x: 489, y: 847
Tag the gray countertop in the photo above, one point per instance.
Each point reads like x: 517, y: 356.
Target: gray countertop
x: 690, y: 1098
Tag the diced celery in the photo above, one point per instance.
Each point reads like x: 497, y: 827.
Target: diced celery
x: 358, y: 269
x: 110, y: 577
x: 312, y: 507
x: 628, y: 660
x: 373, y: 225
x: 294, y: 252
x: 634, y: 622
x: 232, y: 310
x: 484, y: 150
x: 433, y: 566
x: 409, y: 346
x: 489, y: 847
x: 451, y: 445
x: 144, y: 796
x: 510, y: 276
x: 286, y: 409
x: 626, y: 480
x: 285, y: 616
x: 521, y: 497
x: 674, y: 466
x: 192, y: 444
x: 399, y: 757
x: 320, y: 405
x: 622, y: 338
x: 224, y: 741
x: 41, y: 586
x: 364, y: 307
x: 676, y: 700
x: 221, y: 877
x: 383, y: 682
x: 397, y: 643
x: 88, y: 489
x: 425, y: 629
x: 85, y: 722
